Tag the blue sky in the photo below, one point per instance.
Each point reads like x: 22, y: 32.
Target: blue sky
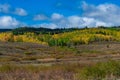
x: 59, y: 13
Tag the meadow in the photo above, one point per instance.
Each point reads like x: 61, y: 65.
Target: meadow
x: 65, y: 54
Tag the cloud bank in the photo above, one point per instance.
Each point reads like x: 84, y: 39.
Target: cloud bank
x: 20, y: 12
x: 7, y: 9
x: 106, y: 14
x: 8, y: 22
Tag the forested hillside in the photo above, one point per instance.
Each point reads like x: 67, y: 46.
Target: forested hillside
x: 61, y: 37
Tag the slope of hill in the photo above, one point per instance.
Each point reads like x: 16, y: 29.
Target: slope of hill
x: 81, y: 54
x: 63, y: 37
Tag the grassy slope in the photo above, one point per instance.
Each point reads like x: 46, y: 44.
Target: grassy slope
x: 77, y: 55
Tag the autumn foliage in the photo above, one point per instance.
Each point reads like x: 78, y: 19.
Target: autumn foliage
x: 84, y: 36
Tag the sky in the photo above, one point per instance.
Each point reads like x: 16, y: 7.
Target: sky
x: 59, y: 13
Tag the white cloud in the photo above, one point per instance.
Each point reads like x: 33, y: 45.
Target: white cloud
x: 8, y: 22
x: 40, y: 17
x: 77, y: 21
x: 107, y: 13
x: 56, y: 16
x: 93, y: 15
x: 46, y: 25
x: 4, y: 8
x: 73, y: 21
x: 49, y: 25
x: 20, y: 11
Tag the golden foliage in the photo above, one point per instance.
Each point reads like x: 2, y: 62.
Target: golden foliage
x: 75, y: 37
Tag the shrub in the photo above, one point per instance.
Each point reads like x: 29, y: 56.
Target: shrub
x: 28, y: 53
x: 103, y: 70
